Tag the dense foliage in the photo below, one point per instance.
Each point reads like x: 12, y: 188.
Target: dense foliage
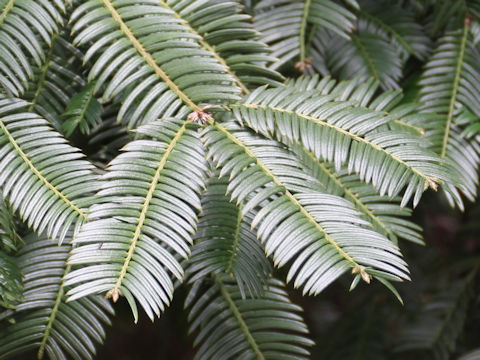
x: 213, y: 152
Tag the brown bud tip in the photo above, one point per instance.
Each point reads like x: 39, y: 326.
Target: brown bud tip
x: 432, y: 183
x: 114, y: 294
x: 193, y: 116
x: 200, y: 116
x: 365, y: 276
x: 301, y: 66
x: 468, y: 20
x: 363, y: 273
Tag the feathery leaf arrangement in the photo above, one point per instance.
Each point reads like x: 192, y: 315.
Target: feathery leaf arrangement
x: 225, y: 148
x: 226, y: 243
x: 439, y: 324
x: 345, y: 134
x: 385, y: 214
x: 382, y: 37
x: 56, y: 81
x: 229, y: 326
x: 397, y: 24
x: 129, y: 51
x: 362, y: 55
x: 148, y: 214
x: 44, y: 321
x: 9, y: 237
x: 147, y: 56
x: 454, y: 100
x: 298, y: 221
x: 84, y: 111
x: 42, y: 176
x: 26, y: 28
x: 11, y: 288
x: 284, y: 23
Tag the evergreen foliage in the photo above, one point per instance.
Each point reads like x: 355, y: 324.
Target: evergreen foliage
x: 223, y: 149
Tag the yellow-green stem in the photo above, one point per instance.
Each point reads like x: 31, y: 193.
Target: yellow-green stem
x: 7, y: 8
x: 38, y: 174
x: 238, y: 316
x: 115, y: 291
x: 431, y: 182
x: 148, y: 58
x: 456, y: 83
x: 288, y: 194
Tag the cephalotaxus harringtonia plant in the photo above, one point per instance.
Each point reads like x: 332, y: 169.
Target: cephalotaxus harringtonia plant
x: 228, y: 170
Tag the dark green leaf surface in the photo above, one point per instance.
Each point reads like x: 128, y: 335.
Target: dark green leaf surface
x: 341, y: 133
x: 44, y: 322
x: 231, y: 327
x: 43, y: 178
x: 149, y: 214
x: 226, y: 243
x: 83, y: 112
x: 26, y: 26
x: 454, y: 99
x: 283, y: 25
x: 316, y: 233
x: 11, y: 288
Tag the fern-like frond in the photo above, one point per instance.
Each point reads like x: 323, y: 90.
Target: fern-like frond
x: 83, y: 112
x: 57, y: 80
x: 231, y: 327
x: 283, y: 25
x: 226, y: 244
x: 9, y: 238
x: 152, y: 196
x: 399, y: 24
x: 143, y: 47
x: 451, y: 14
x: 11, y: 287
x: 441, y: 321
x: 453, y: 97
x: 364, y: 94
x: 341, y: 133
x: 384, y: 213
x: 43, y: 177
x: 230, y: 36
x: 44, y: 322
x: 369, y: 53
x: 106, y: 140
x: 26, y: 26
x: 317, y: 232
x: 354, y: 89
